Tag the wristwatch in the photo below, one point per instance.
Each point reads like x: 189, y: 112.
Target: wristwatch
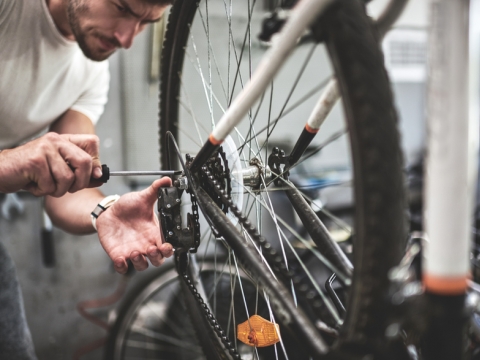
x: 101, y: 207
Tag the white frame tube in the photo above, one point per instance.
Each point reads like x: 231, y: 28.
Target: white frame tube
x: 304, y: 13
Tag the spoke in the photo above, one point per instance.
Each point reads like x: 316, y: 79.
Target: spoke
x: 307, y: 96
x: 272, y: 319
x: 338, y: 221
x: 187, y: 133
x: 297, y: 80
x: 206, y: 28
x: 205, y: 86
x: 304, y: 98
x: 137, y: 344
x: 228, y: 12
x: 259, y: 251
x: 206, y: 247
x: 332, y: 138
x: 252, y: 129
x: 162, y: 337
x: 328, y: 141
x: 242, y: 141
x: 305, y: 242
x: 241, y: 288
x: 238, y: 74
x: 231, y: 314
x: 269, y: 119
x: 254, y: 136
x: 209, y: 63
x: 166, y: 320
x: 208, y: 86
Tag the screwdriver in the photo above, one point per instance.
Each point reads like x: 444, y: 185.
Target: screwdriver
x: 106, y: 173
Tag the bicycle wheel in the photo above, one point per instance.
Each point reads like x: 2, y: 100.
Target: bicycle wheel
x: 152, y: 322
x: 210, y: 51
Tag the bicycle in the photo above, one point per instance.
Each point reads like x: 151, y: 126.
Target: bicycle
x: 239, y: 272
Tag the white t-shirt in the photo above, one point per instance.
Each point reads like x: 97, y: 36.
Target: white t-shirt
x: 42, y: 74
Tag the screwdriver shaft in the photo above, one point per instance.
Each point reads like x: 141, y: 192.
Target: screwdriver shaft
x: 142, y: 173
x: 106, y: 173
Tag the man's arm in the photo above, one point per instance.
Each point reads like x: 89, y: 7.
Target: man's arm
x: 127, y: 230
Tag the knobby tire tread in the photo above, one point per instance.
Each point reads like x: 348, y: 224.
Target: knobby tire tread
x: 379, y: 201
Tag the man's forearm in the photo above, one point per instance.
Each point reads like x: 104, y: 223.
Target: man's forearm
x: 72, y: 211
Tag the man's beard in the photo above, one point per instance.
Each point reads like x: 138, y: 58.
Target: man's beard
x: 75, y: 9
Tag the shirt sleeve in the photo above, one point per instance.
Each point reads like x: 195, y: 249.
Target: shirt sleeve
x: 92, y: 101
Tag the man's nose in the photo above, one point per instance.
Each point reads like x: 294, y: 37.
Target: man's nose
x: 126, y: 32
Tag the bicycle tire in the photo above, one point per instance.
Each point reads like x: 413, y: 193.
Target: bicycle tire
x: 376, y: 154
x: 141, y: 296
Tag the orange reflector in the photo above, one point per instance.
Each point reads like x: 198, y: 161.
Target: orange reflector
x: 258, y: 332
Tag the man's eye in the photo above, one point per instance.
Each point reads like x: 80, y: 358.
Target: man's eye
x: 121, y: 8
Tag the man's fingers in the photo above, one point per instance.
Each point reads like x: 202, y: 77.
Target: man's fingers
x: 138, y: 260
x: 61, y: 177
x: 120, y: 265
x: 80, y: 165
x: 97, y: 169
x: 166, y: 249
x: 88, y: 143
x: 155, y: 256
x: 81, y: 161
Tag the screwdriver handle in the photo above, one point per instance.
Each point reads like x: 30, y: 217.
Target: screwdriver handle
x: 105, y: 174
x: 101, y: 180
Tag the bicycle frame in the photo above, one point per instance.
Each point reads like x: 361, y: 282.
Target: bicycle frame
x: 447, y: 217
x: 304, y: 13
x: 450, y: 174
x: 282, y: 45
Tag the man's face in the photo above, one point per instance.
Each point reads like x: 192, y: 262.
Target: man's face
x: 102, y: 26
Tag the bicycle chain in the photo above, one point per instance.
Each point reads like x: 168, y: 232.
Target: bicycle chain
x: 211, y: 318
x: 274, y: 259
x: 225, y: 175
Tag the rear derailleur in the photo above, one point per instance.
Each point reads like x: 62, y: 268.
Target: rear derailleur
x: 187, y: 238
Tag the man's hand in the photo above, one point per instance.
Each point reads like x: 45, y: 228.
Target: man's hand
x: 129, y: 229
x: 51, y: 165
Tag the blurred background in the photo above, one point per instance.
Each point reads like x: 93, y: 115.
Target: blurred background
x: 129, y: 141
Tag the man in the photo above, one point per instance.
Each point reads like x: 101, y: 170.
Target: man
x: 53, y: 76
